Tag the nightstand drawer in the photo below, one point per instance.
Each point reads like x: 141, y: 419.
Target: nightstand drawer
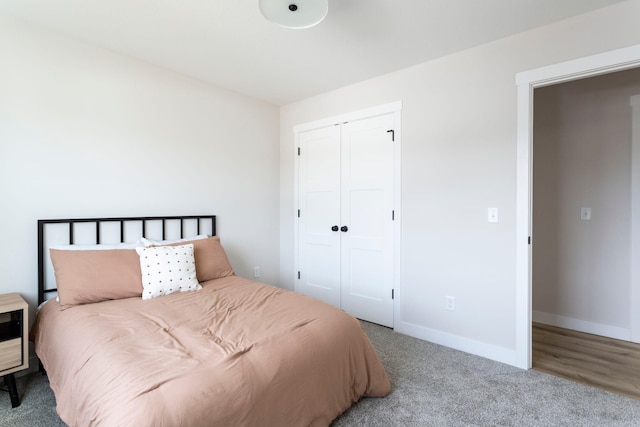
x: 10, y: 354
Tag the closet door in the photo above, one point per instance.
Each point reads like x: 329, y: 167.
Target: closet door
x: 319, y: 214
x: 345, y: 224
x: 366, y: 212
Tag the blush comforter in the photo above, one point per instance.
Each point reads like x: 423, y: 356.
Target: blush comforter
x: 236, y: 353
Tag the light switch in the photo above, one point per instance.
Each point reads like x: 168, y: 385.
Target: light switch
x: 585, y: 214
x: 492, y: 214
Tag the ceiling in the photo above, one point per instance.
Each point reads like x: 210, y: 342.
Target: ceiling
x: 229, y: 43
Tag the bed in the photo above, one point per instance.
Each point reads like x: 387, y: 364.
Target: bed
x: 233, y: 352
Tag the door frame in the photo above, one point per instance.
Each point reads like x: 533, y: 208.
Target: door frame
x: 527, y: 81
x: 396, y: 109
x: 634, y: 274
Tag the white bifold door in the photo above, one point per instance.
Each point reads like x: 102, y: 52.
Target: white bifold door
x: 345, y: 217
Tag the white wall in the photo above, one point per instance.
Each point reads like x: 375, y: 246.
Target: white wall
x: 582, y: 151
x: 458, y: 159
x: 85, y: 132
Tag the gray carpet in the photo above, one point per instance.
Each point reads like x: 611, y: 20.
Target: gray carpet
x: 431, y: 386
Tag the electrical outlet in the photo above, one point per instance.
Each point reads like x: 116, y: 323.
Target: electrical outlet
x: 451, y: 303
x: 256, y: 271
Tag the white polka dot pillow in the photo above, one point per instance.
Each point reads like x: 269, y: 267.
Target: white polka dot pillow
x: 167, y: 270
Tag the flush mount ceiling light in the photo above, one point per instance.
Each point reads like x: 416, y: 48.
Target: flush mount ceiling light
x: 294, y: 13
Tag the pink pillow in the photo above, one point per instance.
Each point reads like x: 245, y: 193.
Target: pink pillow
x: 88, y: 276
x: 211, y: 259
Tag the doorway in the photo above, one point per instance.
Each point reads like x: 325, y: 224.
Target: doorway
x: 618, y: 60
x: 581, y: 219
x: 581, y: 228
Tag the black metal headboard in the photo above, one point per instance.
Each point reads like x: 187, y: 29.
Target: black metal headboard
x: 195, y: 222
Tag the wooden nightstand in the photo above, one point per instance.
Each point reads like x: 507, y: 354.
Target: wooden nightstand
x: 14, y: 353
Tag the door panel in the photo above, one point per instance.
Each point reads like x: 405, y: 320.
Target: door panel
x: 368, y: 216
x: 364, y: 282
x: 367, y: 204
x: 319, y: 201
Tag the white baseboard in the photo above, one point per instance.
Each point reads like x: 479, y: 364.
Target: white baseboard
x: 615, y: 332
x: 488, y: 351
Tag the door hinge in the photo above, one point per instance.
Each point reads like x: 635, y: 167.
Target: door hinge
x: 393, y: 134
x: 393, y: 215
x: 298, y: 275
x: 298, y: 213
x: 529, y: 239
x: 298, y: 151
x: 393, y: 294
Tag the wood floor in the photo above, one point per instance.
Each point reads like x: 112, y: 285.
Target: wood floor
x: 589, y: 359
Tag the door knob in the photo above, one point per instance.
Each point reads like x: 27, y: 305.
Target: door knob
x: 344, y: 228
x: 334, y: 228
